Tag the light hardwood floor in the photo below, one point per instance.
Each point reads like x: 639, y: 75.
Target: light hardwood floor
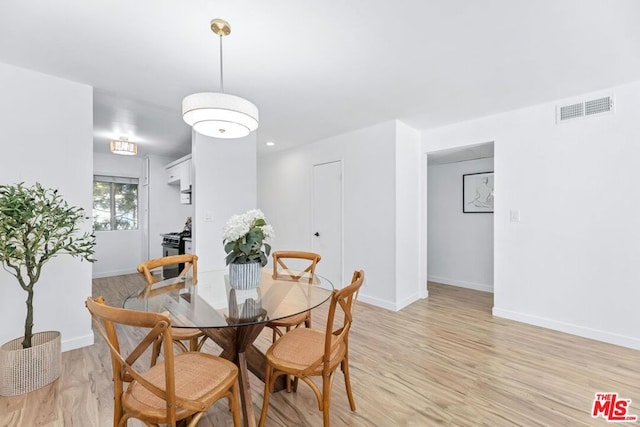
x: 443, y: 360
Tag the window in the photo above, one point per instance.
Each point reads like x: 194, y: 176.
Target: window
x: 115, y: 203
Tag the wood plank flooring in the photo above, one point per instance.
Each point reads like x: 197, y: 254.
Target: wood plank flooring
x: 443, y: 361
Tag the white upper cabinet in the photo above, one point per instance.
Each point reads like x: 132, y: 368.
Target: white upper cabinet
x: 179, y: 173
x: 173, y: 174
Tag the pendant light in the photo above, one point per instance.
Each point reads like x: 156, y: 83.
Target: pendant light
x: 219, y: 114
x: 124, y: 147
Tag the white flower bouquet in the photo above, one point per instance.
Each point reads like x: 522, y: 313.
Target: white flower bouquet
x: 244, y: 238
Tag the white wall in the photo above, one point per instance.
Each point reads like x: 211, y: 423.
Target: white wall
x: 285, y: 181
x: 369, y: 210
x: 224, y: 184
x: 369, y: 207
x: 47, y: 126
x: 460, y: 244
x: 411, y: 281
x: 570, y: 264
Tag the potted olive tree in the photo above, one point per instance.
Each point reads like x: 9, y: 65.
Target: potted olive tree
x: 36, y: 225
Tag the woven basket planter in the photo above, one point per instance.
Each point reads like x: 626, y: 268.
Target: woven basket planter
x: 26, y: 369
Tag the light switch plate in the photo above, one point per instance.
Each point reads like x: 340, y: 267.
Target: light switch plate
x: 514, y: 215
x: 208, y: 216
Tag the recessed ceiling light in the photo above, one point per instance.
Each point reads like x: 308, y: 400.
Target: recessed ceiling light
x: 269, y: 143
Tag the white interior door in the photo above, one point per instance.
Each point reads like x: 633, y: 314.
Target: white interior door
x: 327, y: 220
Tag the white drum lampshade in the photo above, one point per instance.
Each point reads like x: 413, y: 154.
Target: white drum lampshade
x: 220, y: 115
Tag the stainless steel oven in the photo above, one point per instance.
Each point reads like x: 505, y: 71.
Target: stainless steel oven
x: 172, y: 244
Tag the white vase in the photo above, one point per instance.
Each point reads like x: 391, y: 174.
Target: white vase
x: 26, y: 369
x: 245, y: 276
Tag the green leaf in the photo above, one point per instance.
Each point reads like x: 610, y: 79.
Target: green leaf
x: 229, y: 259
x: 245, y: 248
x: 229, y: 247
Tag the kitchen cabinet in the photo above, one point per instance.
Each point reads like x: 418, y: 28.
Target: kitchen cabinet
x: 179, y: 173
x: 173, y: 174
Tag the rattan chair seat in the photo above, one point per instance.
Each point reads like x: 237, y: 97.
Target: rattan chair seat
x: 194, y: 374
x: 299, y: 348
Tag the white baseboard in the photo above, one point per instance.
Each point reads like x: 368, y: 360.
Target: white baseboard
x: 78, y: 342
x: 377, y: 302
x: 461, y: 283
x: 389, y: 305
x: 581, y: 331
x: 407, y: 301
x: 113, y: 273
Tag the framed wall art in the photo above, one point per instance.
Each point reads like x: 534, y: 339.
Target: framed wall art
x: 477, y: 192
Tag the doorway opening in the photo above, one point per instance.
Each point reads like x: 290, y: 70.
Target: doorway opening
x: 459, y: 234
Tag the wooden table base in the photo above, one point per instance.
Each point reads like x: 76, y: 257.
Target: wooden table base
x: 237, y: 345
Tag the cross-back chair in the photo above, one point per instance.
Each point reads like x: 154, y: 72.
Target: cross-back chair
x: 195, y: 337
x: 282, y: 271
x: 305, y: 353
x: 181, y: 387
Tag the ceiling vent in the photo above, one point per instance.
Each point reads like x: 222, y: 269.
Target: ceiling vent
x: 584, y: 109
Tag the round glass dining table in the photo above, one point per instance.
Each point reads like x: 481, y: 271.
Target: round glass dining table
x: 233, y: 318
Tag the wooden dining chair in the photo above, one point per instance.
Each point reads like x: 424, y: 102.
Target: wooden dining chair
x: 195, y: 337
x: 305, y: 353
x: 282, y: 271
x: 181, y: 387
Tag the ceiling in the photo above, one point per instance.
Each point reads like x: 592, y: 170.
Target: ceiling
x: 317, y: 69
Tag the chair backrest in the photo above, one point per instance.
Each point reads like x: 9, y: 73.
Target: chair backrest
x: 335, y: 336
x: 106, y: 318
x: 282, y: 271
x: 190, y: 262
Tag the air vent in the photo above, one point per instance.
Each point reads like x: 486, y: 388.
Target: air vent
x: 571, y: 111
x: 584, y: 109
x: 597, y: 106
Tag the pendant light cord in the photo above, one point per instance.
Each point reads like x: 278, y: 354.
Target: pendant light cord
x: 221, y: 76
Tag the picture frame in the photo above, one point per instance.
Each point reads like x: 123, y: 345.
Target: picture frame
x: 477, y: 192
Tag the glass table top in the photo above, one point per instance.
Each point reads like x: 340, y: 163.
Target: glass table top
x: 213, y: 303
